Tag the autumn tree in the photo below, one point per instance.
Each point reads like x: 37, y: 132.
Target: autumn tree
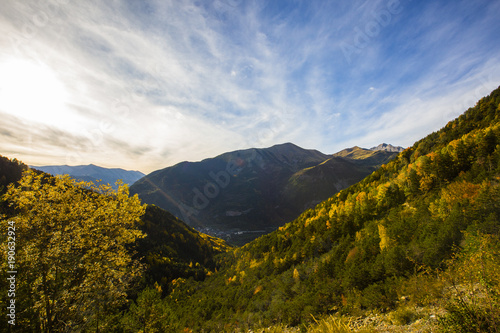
x: 72, y: 255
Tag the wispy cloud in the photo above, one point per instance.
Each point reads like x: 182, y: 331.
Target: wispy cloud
x: 152, y: 83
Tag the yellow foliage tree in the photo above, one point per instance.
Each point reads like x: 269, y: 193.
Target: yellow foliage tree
x: 384, y: 238
x: 457, y: 192
x: 296, y: 275
x: 72, y: 255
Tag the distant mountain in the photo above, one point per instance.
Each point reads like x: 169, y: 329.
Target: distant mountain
x: 92, y: 173
x: 388, y: 147
x: 243, y: 194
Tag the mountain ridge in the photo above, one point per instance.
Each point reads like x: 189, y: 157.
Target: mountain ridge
x: 252, y: 191
x: 92, y: 172
x: 388, y: 147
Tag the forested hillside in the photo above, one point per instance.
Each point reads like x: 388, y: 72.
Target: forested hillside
x: 174, y: 250
x: 374, y: 242
x: 310, y: 186
x: 10, y: 172
x: 80, y: 254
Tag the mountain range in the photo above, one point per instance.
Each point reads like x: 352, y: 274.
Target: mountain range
x: 93, y: 173
x: 244, y: 194
x: 414, y: 243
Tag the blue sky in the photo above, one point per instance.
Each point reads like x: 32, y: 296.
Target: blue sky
x: 146, y: 84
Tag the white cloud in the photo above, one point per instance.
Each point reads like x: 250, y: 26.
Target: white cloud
x: 153, y: 83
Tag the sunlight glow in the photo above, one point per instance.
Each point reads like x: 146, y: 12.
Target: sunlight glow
x: 31, y: 91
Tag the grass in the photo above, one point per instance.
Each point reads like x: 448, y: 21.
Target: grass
x: 403, y: 316
x: 333, y: 324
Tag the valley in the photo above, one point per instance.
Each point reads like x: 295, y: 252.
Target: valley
x: 244, y: 194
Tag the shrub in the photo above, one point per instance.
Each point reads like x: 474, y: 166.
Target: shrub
x: 475, y: 276
x: 404, y: 316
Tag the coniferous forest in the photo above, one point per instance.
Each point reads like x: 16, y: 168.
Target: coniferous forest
x: 412, y: 247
